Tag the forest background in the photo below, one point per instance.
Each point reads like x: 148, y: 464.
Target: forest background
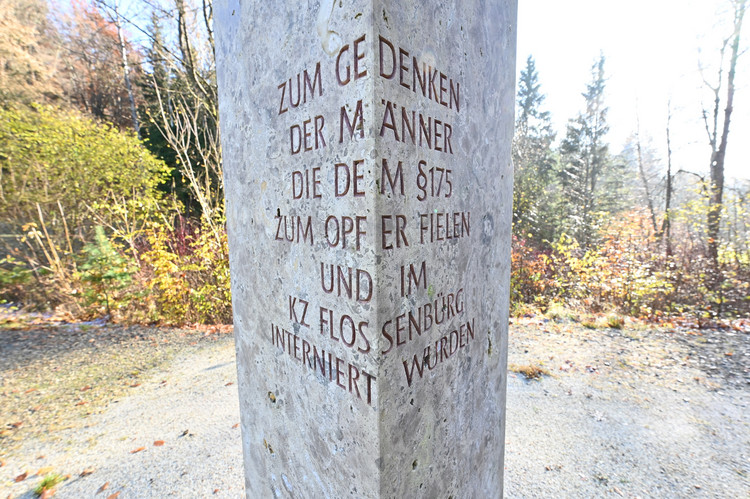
x: 112, y: 205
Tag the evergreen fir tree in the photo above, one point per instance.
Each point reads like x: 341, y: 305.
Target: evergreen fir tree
x: 586, y: 165
x: 533, y: 160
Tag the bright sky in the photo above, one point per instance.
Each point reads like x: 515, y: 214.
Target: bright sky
x: 653, y: 49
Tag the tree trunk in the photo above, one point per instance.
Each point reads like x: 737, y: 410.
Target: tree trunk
x: 666, y: 226
x: 644, y: 178
x: 126, y: 70
x: 717, y: 156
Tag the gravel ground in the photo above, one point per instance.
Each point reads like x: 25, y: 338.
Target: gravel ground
x: 628, y: 413
x: 624, y: 413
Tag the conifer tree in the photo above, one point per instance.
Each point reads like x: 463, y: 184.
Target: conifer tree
x: 586, y: 163
x: 533, y: 160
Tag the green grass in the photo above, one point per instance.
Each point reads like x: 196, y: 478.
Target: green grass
x: 49, y: 482
x: 615, y: 321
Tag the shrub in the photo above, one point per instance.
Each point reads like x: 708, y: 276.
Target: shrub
x: 63, y: 175
x: 189, y: 275
x: 104, y: 272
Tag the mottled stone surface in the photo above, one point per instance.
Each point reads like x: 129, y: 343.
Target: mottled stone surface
x: 368, y: 181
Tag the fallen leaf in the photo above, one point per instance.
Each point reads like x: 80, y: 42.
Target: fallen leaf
x: 82, y: 402
x: 134, y: 385
x: 729, y: 354
x: 184, y: 433
x: 22, y: 477
x: 41, y: 456
x: 43, y: 471
x: 103, y: 488
x: 139, y: 449
x: 113, y: 496
x: 228, y: 384
x: 30, y: 390
x: 87, y: 471
x: 47, y: 493
x: 216, y: 491
x: 17, y: 424
x: 158, y: 443
x: 2, y: 463
x: 235, y: 425
x: 36, y: 409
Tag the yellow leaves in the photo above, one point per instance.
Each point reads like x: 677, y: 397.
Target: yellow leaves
x: 190, y: 273
x: 619, y: 272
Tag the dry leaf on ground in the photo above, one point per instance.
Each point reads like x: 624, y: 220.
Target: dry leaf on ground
x: 139, y: 449
x: 22, y: 476
x: 103, y: 488
x: 113, y: 496
x: 158, y: 443
x: 87, y: 471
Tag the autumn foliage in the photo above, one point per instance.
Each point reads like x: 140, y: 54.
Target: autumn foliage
x: 111, y: 194
x: 629, y: 272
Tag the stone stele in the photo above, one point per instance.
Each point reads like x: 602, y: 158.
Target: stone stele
x: 368, y: 183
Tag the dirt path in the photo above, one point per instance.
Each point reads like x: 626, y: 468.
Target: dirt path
x: 141, y: 385
x: 625, y: 413
x: 628, y: 413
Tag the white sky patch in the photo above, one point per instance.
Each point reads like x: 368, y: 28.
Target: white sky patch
x: 653, y: 49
